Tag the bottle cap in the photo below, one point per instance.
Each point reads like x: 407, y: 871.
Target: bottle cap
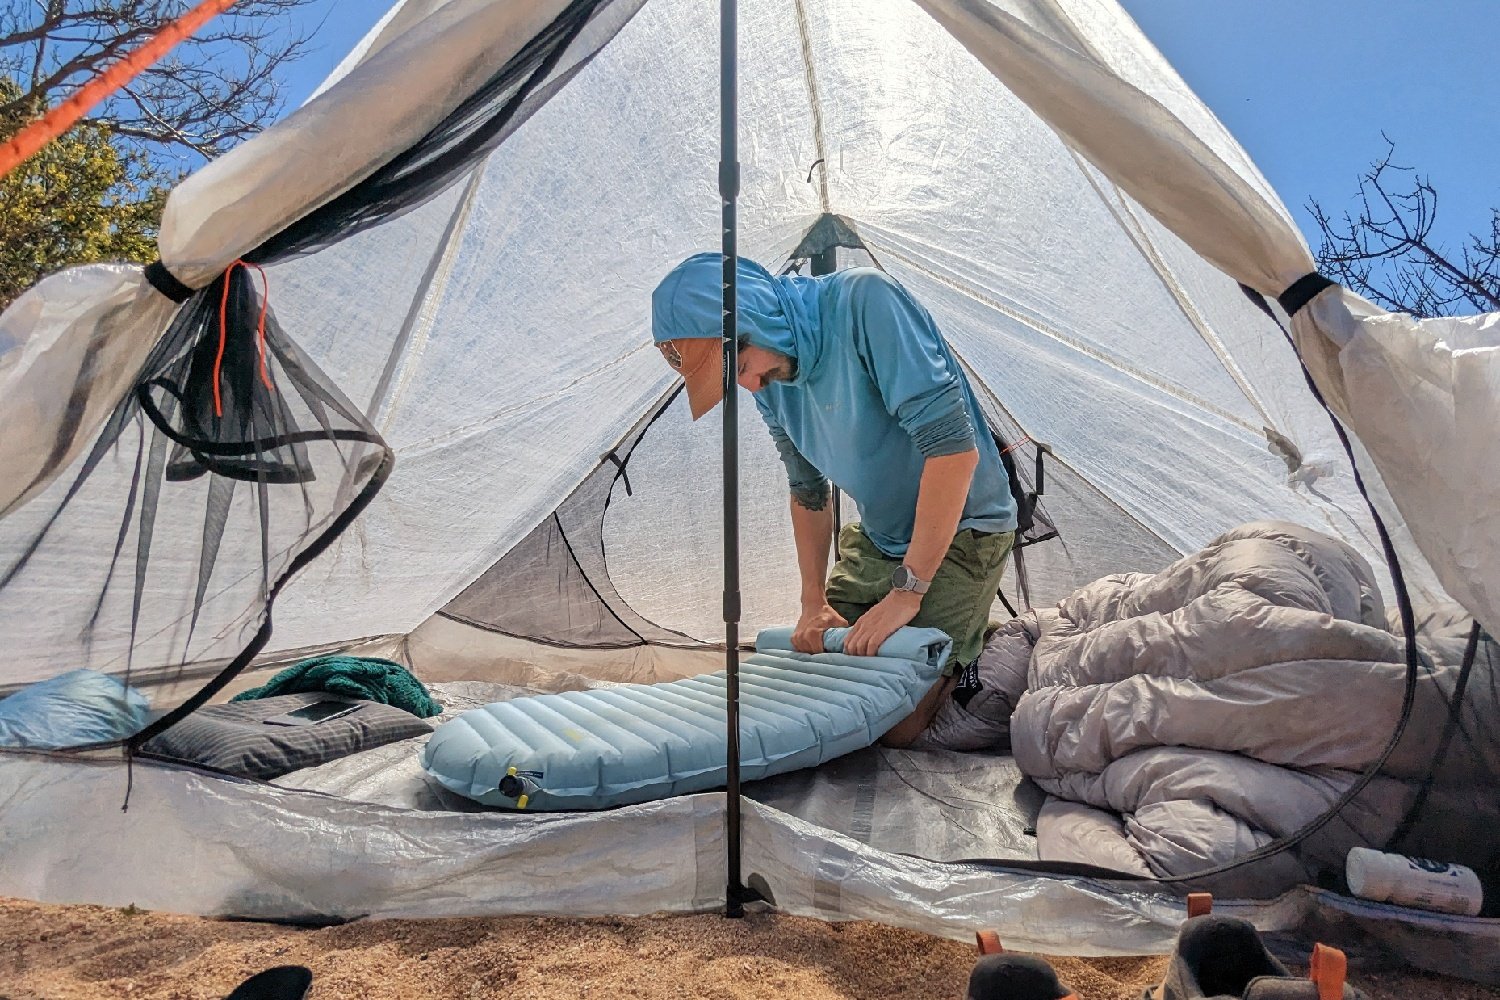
x: 1368, y: 874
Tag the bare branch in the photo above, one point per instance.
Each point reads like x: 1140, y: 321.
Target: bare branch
x: 1386, y: 250
x: 214, y: 91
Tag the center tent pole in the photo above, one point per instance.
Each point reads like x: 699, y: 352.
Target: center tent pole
x: 821, y: 263
x: 729, y: 189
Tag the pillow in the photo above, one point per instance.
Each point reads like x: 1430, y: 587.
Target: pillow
x: 72, y: 709
x: 235, y: 738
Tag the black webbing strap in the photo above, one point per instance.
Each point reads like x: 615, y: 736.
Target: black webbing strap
x: 1455, y: 722
x: 1302, y: 291
x: 619, y: 464
x: 166, y: 282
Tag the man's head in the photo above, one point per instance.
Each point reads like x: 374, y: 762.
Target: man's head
x: 686, y: 324
x: 700, y: 361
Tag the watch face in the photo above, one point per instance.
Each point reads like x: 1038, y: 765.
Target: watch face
x: 901, y: 578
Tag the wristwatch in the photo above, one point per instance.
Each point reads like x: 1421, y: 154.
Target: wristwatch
x: 904, y: 579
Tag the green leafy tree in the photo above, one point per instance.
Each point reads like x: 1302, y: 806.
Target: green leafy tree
x: 85, y: 197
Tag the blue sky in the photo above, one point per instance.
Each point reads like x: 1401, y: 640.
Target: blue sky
x: 1307, y: 86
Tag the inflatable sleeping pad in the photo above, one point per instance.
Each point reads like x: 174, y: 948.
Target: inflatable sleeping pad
x: 637, y: 742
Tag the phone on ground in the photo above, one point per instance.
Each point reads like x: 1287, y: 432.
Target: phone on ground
x: 311, y: 715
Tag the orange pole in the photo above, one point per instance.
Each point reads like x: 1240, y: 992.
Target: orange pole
x: 54, y: 123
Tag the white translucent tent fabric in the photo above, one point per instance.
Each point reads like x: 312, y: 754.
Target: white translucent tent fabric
x: 1419, y: 394
x: 1057, y: 217
x: 567, y: 229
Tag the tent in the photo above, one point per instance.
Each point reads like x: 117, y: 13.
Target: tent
x: 447, y: 440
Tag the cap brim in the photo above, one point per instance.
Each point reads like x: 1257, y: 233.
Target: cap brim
x: 705, y: 384
x: 705, y: 389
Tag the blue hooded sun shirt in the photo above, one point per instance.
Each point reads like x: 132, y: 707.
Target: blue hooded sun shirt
x: 876, y: 393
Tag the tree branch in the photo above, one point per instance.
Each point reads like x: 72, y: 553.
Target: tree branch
x: 1386, y: 253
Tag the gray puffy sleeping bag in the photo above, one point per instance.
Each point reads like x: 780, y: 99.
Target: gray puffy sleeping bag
x: 1184, y: 718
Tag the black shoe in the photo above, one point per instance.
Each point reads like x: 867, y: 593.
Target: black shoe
x: 1224, y: 957
x: 285, y: 982
x: 1325, y: 980
x: 1015, y: 977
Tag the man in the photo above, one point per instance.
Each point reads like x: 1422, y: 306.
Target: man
x: 857, y: 386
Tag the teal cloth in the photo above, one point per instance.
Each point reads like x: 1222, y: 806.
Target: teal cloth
x: 363, y: 677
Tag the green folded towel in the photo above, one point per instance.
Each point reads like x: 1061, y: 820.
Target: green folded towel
x: 362, y: 677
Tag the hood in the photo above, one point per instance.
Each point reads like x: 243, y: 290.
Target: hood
x: 778, y: 314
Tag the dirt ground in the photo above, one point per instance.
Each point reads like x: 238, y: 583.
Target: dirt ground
x: 93, y: 952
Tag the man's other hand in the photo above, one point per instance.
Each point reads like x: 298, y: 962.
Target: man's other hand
x: 875, y: 626
x: 808, y: 636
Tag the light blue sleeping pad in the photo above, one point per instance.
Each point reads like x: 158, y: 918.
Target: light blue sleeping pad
x: 637, y: 742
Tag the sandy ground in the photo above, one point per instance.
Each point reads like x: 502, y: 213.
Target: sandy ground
x: 88, y: 952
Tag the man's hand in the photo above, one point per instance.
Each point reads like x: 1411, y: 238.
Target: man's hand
x: 808, y: 635
x: 876, y: 625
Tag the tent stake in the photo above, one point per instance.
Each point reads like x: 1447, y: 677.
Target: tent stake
x: 729, y: 187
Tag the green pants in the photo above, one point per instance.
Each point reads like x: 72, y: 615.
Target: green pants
x: 958, y: 602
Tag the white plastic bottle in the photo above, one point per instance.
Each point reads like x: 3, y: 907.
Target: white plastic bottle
x: 1430, y: 885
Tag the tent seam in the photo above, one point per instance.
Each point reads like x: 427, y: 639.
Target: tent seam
x: 1074, y: 344
x: 1137, y: 235
x: 815, y: 102
x: 411, y: 343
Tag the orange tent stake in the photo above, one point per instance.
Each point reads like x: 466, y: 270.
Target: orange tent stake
x: 63, y: 117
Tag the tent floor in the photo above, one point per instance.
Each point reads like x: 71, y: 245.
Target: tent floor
x: 935, y: 804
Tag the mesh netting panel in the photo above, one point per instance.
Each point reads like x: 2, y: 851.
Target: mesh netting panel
x: 233, y: 461
x: 476, y: 128
x: 555, y: 587
x: 665, y: 541
x: 1434, y: 797
x: 1095, y: 538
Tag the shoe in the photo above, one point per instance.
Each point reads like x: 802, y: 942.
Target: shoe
x: 1015, y: 977
x: 1224, y: 957
x: 285, y: 982
x: 998, y: 976
x: 1325, y: 981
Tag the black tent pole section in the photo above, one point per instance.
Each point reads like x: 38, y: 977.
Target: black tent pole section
x: 729, y: 189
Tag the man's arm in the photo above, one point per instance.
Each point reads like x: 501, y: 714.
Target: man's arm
x: 922, y: 388
x: 940, y: 505
x: 812, y: 529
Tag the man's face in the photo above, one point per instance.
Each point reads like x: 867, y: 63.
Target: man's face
x: 760, y: 367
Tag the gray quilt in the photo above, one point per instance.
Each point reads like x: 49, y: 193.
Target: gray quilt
x: 1182, y: 719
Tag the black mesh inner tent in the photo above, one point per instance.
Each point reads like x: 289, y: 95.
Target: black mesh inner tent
x: 554, y: 586
x: 234, y: 461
